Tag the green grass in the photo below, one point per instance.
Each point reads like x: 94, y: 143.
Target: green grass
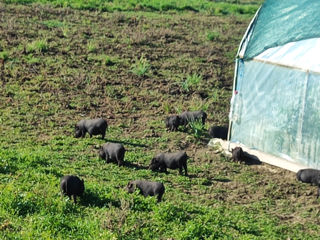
x: 4, y: 55
x: 92, y: 47
x: 198, y: 129
x: 191, y: 82
x: 31, y: 204
x: 141, y: 66
x: 213, y: 36
x: 37, y: 46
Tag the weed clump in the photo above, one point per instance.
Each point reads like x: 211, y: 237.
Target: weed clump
x: 213, y: 36
x: 141, y: 67
x: 38, y: 46
x: 198, y: 129
x: 4, y: 55
x: 191, y: 82
x: 92, y: 47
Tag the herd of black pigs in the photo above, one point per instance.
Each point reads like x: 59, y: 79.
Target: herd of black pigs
x: 115, y: 152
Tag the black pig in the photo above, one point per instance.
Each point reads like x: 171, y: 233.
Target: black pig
x: 187, y: 117
x: 237, y: 154
x: 72, y: 186
x: 93, y: 127
x: 176, y: 160
x: 172, y: 122
x: 218, y: 132
x: 112, y: 152
x: 309, y: 176
x: 147, y: 188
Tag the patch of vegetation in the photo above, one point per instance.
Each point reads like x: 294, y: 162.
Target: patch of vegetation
x: 198, y: 129
x: 108, y: 61
x: 32, y: 59
x: 92, y: 47
x: 213, y: 36
x: 191, y: 82
x: 37, y: 46
x: 141, y: 66
x: 4, y: 55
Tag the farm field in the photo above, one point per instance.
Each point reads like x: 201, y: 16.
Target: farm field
x: 132, y: 64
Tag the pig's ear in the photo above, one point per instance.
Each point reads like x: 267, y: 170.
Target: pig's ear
x: 129, y: 185
x: 82, y: 181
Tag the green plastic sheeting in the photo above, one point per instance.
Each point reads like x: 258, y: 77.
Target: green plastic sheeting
x: 283, y: 21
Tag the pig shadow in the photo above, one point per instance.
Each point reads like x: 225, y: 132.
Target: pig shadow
x: 191, y: 176
x: 225, y: 180
x: 91, y: 199
x: 251, y: 159
x: 134, y: 166
x: 127, y: 143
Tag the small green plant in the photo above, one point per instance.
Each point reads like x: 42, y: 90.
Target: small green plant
x: 213, y: 36
x: 92, y: 47
x: 197, y: 128
x: 4, y: 55
x: 141, y: 66
x: 38, y: 46
x: 32, y: 60
x: 166, y: 107
x: 65, y: 31
x: 191, y: 81
x: 108, y: 61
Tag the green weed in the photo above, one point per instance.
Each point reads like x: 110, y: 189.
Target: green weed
x: 92, y: 47
x: 191, y: 82
x: 213, y: 36
x: 108, y: 61
x: 32, y: 59
x: 167, y: 107
x: 141, y: 66
x: 38, y: 46
x: 65, y: 31
x: 197, y: 129
x: 4, y: 55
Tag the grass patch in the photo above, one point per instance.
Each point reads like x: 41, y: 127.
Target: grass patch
x: 197, y: 129
x: 37, y: 46
x: 213, y: 36
x: 4, y: 55
x: 141, y: 67
x: 92, y: 47
x: 192, y: 82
